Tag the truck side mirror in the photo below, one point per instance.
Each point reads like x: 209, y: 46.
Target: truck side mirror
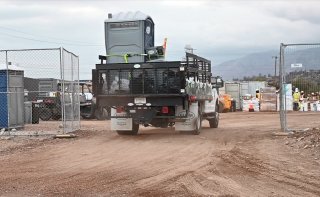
x: 217, y: 82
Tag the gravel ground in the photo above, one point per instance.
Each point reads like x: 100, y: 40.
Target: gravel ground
x: 240, y: 158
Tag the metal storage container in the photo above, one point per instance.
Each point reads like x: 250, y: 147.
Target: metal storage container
x: 234, y: 90
x: 239, y: 89
x: 11, y: 99
x: 28, y: 112
x: 47, y: 85
x: 31, y: 88
x: 254, y: 85
x: 244, y: 88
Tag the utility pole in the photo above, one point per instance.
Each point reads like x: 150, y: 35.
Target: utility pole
x: 275, y: 65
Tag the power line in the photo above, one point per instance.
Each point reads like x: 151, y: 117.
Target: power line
x: 53, y: 38
x: 45, y: 41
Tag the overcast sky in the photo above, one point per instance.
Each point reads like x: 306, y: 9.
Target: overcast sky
x: 218, y: 30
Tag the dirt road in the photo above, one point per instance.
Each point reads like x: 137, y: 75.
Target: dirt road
x: 241, y: 158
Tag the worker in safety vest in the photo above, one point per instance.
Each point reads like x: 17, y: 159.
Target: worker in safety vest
x: 258, y: 94
x: 296, y: 98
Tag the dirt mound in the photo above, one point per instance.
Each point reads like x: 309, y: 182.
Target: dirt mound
x: 309, y: 139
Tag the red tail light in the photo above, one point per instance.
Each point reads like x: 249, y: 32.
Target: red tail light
x: 120, y: 109
x: 165, y: 110
x: 192, y: 98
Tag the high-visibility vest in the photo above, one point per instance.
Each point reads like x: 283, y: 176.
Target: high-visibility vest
x: 296, y: 97
x: 258, y: 95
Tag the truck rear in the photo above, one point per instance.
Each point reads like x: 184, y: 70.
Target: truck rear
x: 142, y: 89
x: 158, y: 94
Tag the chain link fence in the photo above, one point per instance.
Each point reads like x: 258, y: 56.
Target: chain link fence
x: 300, y: 86
x: 39, y: 91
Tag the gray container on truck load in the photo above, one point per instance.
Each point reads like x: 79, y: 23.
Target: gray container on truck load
x: 128, y: 33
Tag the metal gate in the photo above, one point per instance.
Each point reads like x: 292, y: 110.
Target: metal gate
x: 299, y: 86
x: 39, y: 91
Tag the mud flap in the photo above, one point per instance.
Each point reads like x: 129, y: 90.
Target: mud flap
x: 190, y: 123
x: 120, y: 124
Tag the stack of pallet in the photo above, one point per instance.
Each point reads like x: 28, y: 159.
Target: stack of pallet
x: 268, y: 99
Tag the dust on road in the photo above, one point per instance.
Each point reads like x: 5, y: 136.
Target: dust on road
x: 241, y: 158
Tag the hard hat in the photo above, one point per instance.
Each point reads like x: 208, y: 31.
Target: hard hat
x: 302, y: 92
x: 297, y: 90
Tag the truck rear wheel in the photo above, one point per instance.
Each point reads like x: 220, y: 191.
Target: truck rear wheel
x: 134, y: 131
x: 214, y: 122
x: 198, y: 124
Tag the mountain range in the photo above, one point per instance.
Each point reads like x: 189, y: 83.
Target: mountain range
x: 263, y: 63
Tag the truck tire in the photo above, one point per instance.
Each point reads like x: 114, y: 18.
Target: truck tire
x: 102, y: 113
x: 214, y: 122
x: 87, y: 112
x: 134, y: 131
x: 45, y: 113
x: 198, y: 123
x: 221, y: 107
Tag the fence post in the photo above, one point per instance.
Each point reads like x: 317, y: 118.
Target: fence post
x: 282, y: 89
x: 78, y: 93
x: 73, y: 92
x: 8, y: 93
x: 63, y: 93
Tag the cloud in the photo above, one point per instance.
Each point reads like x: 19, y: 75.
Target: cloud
x: 307, y: 11
x: 219, y: 30
x: 181, y: 4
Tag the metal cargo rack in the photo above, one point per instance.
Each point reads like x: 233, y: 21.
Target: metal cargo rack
x: 150, y: 77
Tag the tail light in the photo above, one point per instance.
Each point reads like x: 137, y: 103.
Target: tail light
x: 192, y: 98
x: 165, y: 110
x: 120, y: 109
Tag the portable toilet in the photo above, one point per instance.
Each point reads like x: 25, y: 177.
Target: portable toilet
x: 11, y: 98
x: 128, y: 33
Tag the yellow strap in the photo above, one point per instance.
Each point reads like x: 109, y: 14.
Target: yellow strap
x: 125, y: 57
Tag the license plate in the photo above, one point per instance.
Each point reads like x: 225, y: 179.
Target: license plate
x: 141, y: 100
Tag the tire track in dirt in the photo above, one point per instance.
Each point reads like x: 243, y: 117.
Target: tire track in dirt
x: 248, y: 164
x: 125, y: 165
